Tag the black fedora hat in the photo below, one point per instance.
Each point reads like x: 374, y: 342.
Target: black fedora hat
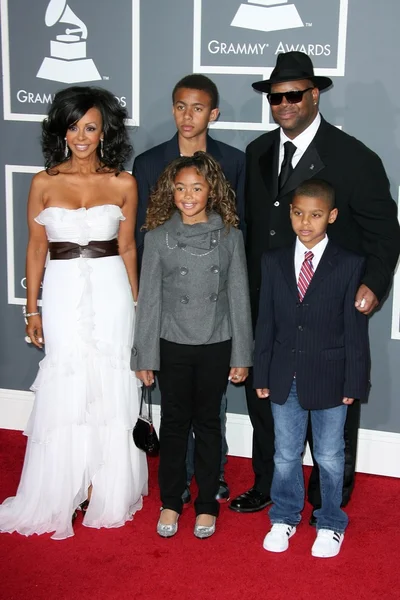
x: 292, y: 66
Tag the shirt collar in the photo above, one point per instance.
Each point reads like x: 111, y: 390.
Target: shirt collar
x: 318, y: 249
x: 304, y: 139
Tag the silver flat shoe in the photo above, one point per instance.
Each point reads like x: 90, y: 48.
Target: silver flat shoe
x: 167, y: 531
x: 204, y: 531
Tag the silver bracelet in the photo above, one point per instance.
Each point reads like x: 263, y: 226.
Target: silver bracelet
x: 27, y: 315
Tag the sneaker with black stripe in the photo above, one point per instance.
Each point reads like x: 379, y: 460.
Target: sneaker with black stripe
x: 327, y: 543
x: 277, y: 540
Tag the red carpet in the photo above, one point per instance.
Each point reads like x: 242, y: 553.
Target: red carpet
x: 133, y: 562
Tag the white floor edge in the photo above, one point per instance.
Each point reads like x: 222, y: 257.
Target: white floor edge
x: 378, y: 451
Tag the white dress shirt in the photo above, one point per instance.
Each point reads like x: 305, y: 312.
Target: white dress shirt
x: 301, y: 142
x: 300, y: 251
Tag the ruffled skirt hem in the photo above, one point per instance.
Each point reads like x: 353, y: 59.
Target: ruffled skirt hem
x: 56, y: 477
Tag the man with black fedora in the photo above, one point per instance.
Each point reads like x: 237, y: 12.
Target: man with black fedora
x: 305, y: 146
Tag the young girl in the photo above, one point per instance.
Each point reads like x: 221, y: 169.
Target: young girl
x: 193, y: 325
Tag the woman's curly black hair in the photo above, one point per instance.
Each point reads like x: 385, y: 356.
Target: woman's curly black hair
x: 221, y: 196
x: 68, y: 107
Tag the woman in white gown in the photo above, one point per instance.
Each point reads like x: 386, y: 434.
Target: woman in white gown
x: 82, y: 209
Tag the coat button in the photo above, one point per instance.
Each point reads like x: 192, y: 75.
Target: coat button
x: 276, y: 203
x: 184, y: 299
x: 214, y: 297
x: 214, y: 241
x: 181, y: 245
x: 183, y: 270
x: 272, y: 232
x: 134, y: 351
x: 300, y: 328
x: 214, y: 269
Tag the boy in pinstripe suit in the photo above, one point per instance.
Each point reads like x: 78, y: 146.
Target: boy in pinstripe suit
x: 311, y: 356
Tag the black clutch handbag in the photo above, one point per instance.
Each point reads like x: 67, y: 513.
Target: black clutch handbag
x: 144, y: 434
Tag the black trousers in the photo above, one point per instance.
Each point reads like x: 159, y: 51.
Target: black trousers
x: 263, y: 447
x: 263, y: 437
x: 192, y: 380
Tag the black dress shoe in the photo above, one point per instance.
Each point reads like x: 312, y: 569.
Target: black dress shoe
x: 186, y: 496
x: 250, y: 501
x: 223, y: 492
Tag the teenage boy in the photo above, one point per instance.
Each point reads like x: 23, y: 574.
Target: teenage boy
x: 311, y: 356
x: 195, y: 102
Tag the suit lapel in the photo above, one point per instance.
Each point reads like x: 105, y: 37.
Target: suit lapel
x: 269, y: 167
x: 308, y: 166
x: 287, y: 266
x: 326, y: 265
x: 213, y: 148
x: 171, y: 150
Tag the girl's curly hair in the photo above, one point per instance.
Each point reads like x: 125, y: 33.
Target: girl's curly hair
x: 221, y: 199
x: 68, y: 107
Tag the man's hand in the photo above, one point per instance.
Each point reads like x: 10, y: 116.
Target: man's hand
x: 365, y: 301
x: 262, y: 393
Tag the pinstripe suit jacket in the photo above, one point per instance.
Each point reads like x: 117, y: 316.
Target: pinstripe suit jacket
x: 323, y: 340
x: 149, y: 165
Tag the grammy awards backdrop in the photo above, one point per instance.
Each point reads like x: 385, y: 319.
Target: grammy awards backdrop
x: 139, y: 49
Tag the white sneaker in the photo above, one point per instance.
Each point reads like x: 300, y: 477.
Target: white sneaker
x: 277, y: 540
x: 327, y: 543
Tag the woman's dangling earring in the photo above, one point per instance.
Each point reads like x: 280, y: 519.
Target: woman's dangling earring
x: 101, y: 147
x: 66, y: 151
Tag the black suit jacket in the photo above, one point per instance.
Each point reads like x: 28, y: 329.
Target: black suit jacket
x: 149, y: 165
x: 323, y: 340
x: 367, y: 222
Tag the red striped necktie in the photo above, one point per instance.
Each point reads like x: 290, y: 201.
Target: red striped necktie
x: 306, y: 274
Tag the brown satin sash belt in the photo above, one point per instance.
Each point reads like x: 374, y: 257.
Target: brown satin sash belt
x: 94, y: 249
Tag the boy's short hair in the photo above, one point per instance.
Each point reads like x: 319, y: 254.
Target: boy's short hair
x: 317, y: 188
x: 196, y: 81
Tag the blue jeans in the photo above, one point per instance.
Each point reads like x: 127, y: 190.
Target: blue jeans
x: 287, y: 491
x: 224, y: 446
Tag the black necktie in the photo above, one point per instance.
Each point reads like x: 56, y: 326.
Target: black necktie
x: 286, y: 168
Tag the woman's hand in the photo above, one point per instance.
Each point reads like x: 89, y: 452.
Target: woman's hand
x: 146, y: 376
x: 238, y: 374
x: 34, y: 330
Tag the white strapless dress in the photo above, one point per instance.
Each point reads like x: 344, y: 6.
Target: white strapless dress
x: 86, y: 401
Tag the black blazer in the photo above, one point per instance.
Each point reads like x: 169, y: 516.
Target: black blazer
x: 149, y: 165
x: 367, y: 222
x: 323, y: 340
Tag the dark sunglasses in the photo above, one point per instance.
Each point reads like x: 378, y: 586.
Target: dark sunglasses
x: 292, y: 97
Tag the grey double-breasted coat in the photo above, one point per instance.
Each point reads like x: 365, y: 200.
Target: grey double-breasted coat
x: 193, y: 290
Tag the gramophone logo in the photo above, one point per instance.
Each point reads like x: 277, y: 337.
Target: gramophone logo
x: 267, y: 15
x: 67, y: 62
x: 56, y: 43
